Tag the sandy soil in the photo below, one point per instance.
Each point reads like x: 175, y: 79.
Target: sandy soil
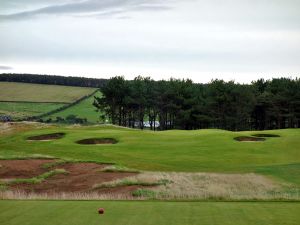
x: 46, y: 137
x: 97, y: 141
x: 249, y: 139
x: 22, y: 168
x: 81, y: 177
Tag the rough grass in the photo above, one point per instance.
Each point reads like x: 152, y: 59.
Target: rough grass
x: 119, y: 169
x: 144, y: 193
x: 55, y: 163
x: 37, y: 179
x: 181, y: 186
x: 132, y: 182
x: 17, y: 127
x: 207, y: 186
x: 150, y: 213
x: 11, y: 91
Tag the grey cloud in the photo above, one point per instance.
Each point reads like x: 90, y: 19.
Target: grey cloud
x: 91, y: 8
x: 5, y: 68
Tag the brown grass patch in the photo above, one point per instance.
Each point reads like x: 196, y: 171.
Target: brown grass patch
x: 183, y: 186
x: 22, y: 168
x: 215, y: 186
x: 88, y: 181
x: 16, y: 127
x: 79, y: 177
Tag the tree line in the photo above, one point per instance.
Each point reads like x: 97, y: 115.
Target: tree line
x: 54, y: 80
x: 182, y: 104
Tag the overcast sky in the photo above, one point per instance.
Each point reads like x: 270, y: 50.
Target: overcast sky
x: 239, y: 40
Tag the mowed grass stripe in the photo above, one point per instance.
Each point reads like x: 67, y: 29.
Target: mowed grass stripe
x: 148, y: 213
x: 12, y: 91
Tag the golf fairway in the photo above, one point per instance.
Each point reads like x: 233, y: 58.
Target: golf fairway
x: 29, y: 212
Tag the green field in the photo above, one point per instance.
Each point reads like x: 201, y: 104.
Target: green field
x: 11, y: 91
x: 22, y: 100
x: 148, y: 213
x: 19, y: 110
x: 190, y: 151
x: 83, y: 109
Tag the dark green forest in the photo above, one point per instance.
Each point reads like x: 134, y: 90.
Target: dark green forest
x: 182, y: 104
x: 55, y: 80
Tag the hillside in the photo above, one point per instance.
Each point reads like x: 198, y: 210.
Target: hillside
x: 83, y: 109
x: 22, y: 100
x: 19, y: 110
x: 10, y: 91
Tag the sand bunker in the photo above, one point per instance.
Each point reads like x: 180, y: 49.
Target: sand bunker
x: 265, y: 135
x: 249, y: 139
x: 97, y: 141
x: 46, y: 137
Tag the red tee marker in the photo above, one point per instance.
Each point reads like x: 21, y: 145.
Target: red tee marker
x: 101, y: 211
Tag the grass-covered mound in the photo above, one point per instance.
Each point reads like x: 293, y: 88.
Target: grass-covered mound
x: 97, y: 141
x: 47, y: 137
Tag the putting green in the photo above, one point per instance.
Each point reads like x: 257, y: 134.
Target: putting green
x: 148, y: 213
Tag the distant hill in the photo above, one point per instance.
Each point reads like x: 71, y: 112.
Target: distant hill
x: 23, y: 92
x: 51, y: 79
x: 22, y: 101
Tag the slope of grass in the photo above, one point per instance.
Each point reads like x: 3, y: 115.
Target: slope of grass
x: 83, y: 109
x: 288, y: 172
x: 201, y: 150
x: 150, y: 213
x: 20, y: 110
x: 11, y: 91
